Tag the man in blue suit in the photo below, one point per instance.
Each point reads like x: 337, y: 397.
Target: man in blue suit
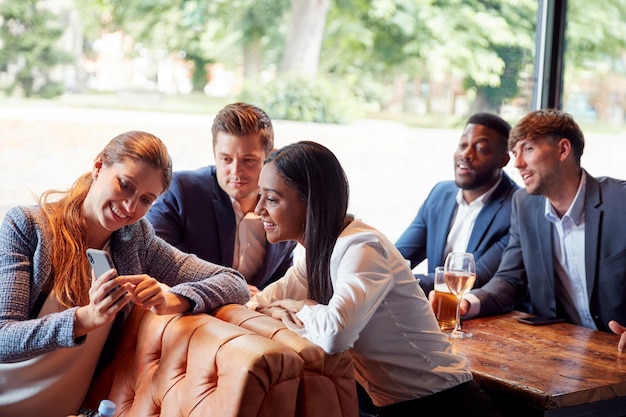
x: 471, y: 213
x: 568, y: 235
x: 210, y: 211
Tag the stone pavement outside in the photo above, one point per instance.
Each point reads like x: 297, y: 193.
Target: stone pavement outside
x: 391, y: 167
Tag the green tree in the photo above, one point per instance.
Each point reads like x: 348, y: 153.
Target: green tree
x: 371, y: 46
x: 261, y: 25
x: 304, y: 38
x: 487, y: 43
x: 29, y: 35
x: 589, y: 43
x: 506, y: 31
x: 205, y: 31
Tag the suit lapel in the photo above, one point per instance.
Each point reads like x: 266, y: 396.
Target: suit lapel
x: 593, y: 212
x: 481, y: 226
x: 544, y: 244
x: 488, y: 213
x: 225, y: 217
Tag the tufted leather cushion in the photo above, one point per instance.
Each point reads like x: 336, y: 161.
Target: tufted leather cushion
x: 197, y: 365
x: 327, y: 387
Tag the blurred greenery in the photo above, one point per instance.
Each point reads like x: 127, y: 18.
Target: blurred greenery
x: 29, y: 38
x: 199, y: 103
x: 370, y: 46
x: 305, y: 99
x: 430, y: 62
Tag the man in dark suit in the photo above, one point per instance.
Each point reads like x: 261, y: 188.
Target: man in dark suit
x: 471, y: 213
x: 568, y: 235
x: 210, y: 211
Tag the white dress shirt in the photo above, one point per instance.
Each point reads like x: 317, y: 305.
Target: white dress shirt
x: 250, y: 240
x: 380, y: 313
x: 463, y: 220
x: 568, y: 250
x: 568, y: 246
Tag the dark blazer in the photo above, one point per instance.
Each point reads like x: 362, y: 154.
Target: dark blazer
x: 197, y: 216
x: 426, y: 237
x: 528, y: 261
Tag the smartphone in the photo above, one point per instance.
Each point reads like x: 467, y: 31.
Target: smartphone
x: 539, y: 320
x: 100, y: 261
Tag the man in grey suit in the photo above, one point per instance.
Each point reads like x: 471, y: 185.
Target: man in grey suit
x: 567, y: 248
x: 210, y: 211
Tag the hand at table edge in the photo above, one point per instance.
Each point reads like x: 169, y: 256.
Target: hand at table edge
x: 621, y: 331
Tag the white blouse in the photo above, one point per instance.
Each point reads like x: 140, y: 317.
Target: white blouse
x: 380, y: 313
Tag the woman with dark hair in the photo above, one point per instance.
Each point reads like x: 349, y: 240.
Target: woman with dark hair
x: 55, y: 314
x: 355, y: 291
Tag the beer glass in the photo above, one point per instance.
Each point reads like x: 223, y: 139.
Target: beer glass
x: 444, y: 303
x: 460, y: 274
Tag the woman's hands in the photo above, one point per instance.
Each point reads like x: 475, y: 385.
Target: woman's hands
x: 286, y: 310
x: 153, y: 295
x: 109, y: 294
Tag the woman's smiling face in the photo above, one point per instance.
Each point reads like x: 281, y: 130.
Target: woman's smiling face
x: 280, y: 206
x: 121, y: 193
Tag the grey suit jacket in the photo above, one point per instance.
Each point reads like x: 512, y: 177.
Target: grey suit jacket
x: 26, y: 247
x: 528, y: 262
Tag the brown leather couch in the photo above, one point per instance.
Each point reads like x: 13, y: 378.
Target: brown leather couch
x: 327, y: 385
x: 200, y: 365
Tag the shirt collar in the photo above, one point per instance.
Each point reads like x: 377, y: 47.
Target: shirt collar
x: 236, y: 208
x: 239, y: 212
x: 576, y: 210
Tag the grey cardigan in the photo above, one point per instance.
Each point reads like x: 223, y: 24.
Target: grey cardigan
x: 25, y: 265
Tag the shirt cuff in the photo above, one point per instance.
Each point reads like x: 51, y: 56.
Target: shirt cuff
x: 305, y: 312
x: 253, y: 303
x: 474, y: 305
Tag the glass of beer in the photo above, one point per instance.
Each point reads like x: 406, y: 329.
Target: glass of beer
x: 444, y: 303
x: 459, y: 272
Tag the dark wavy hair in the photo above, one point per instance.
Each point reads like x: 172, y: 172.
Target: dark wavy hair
x: 316, y: 174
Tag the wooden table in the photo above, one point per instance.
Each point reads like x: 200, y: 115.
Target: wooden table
x: 554, y: 370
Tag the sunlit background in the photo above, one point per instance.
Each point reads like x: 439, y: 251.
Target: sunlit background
x: 386, y: 84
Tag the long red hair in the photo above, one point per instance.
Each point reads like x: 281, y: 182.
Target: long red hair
x: 63, y: 214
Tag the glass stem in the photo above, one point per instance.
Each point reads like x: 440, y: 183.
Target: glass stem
x: 457, y: 324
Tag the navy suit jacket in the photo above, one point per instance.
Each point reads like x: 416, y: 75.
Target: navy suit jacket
x: 197, y: 216
x: 426, y: 237
x: 528, y: 261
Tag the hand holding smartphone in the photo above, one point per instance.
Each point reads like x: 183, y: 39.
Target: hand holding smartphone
x: 101, y: 262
